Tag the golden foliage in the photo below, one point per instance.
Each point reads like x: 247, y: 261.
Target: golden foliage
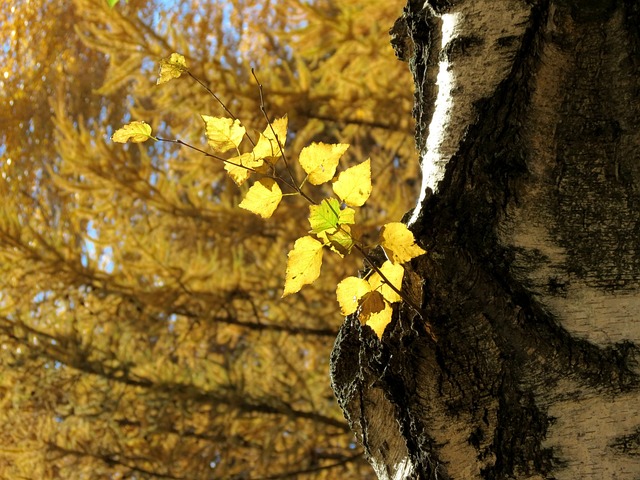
x: 142, y: 333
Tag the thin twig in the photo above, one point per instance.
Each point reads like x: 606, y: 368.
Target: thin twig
x: 372, y: 264
x: 375, y: 268
x: 203, y: 85
x: 284, y: 157
x: 211, y: 155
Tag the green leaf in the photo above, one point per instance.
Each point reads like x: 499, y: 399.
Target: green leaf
x: 112, y: 3
x: 303, y: 264
x: 327, y: 216
x: 322, y: 217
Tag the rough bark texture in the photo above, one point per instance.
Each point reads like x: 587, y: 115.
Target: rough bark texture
x: 528, y: 122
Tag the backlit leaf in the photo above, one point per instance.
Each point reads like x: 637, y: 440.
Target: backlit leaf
x: 399, y: 243
x: 349, y: 292
x: 171, y: 67
x: 378, y: 321
x: 393, y: 273
x: 328, y: 215
x: 303, y: 264
x: 353, y: 186
x: 341, y: 240
x: 371, y: 303
x: 223, y: 134
x: 346, y: 215
x: 238, y: 173
x: 320, y: 161
x: 135, y: 132
x: 268, y: 147
x: 262, y: 198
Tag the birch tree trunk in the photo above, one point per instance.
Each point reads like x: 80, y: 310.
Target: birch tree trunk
x: 528, y: 123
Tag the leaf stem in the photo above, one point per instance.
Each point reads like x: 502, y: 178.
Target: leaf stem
x: 224, y: 160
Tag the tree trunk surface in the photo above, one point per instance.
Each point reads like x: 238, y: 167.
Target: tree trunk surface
x: 528, y: 124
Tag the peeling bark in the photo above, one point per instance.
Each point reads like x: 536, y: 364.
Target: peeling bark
x: 528, y: 125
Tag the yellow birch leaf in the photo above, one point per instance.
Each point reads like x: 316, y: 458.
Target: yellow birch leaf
x: 370, y: 304
x: 341, y: 241
x: 263, y: 198
x: 349, y: 292
x: 223, y: 134
x: 240, y: 174
x: 267, y: 147
x: 398, y: 242
x: 379, y: 321
x: 353, y: 186
x: 135, y: 132
x: 171, y: 67
x: 320, y: 161
x: 303, y: 264
x: 393, y: 273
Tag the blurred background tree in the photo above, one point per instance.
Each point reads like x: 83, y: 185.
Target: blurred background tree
x: 142, y: 334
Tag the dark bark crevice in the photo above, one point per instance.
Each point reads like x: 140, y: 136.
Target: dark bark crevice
x: 416, y: 37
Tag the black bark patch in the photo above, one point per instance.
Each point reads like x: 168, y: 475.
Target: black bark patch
x: 424, y: 32
x: 508, y: 41
x: 585, y: 11
x: 627, y: 444
x: 440, y: 6
x: 459, y: 47
x: 597, y: 202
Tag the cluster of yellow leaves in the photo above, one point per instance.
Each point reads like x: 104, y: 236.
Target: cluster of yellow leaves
x: 372, y: 298
x: 330, y: 220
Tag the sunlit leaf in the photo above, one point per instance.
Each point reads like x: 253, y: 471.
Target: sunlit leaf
x: 268, y: 146
x: 240, y: 168
x: 393, y: 273
x: 353, y: 186
x: 320, y: 161
x: 171, y: 67
x: 223, y: 134
x: 378, y: 321
x: 262, y: 198
x: 303, y: 264
x: 341, y: 241
x: 371, y: 303
x: 398, y: 242
x: 135, y: 132
x: 349, y: 292
x: 359, y: 295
